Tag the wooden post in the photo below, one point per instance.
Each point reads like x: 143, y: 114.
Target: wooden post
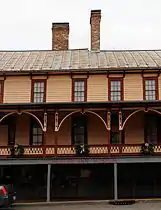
x: 56, y: 142
x: 109, y: 125
x: 44, y: 143
x: 56, y: 121
x: 45, y: 133
x: 120, y: 126
x: 56, y: 131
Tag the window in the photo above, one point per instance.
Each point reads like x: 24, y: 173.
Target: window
x: 1, y: 91
x: 115, y: 89
x: 38, y: 91
x: 79, y: 90
x: 116, y: 137
x: 36, y: 134
x: 150, y: 89
x: 79, y: 130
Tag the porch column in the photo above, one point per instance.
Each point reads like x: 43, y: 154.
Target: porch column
x: 115, y: 182
x: 120, y: 126
x: 44, y: 143
x: 56, y: 131
x: 48, y: 182
x: 109, y: 126
x: 45, y: 133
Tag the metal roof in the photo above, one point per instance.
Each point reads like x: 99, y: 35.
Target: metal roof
x: 78, y: 60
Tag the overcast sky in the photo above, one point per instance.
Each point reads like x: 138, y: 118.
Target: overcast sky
x: 125, y: 24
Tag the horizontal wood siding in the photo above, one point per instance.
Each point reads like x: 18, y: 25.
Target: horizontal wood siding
x: 17, y: 89
x: 134, y: 129
x: 97, y: 88
x: 133, y: 87
x: 50, y: 138
x: 64, y: 134
x: 97, y: 133
x: 59, y: 89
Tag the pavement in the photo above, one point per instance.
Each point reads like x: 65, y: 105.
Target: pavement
x: 148, y: 205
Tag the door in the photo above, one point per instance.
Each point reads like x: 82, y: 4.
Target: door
x: 151, y: 131
x: 79, y: 130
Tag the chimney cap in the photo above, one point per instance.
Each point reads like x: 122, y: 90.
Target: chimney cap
x: 60, y: 25
x: 95, y: 13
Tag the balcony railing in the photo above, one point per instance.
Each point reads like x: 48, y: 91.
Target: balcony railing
x: 69, y: 151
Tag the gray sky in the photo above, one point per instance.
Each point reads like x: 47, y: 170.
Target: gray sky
x: 125, y: 24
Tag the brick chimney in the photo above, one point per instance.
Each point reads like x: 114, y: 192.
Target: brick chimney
x: 95, y: 29
x: 60, y: 36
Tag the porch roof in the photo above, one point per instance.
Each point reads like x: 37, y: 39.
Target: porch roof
x: 82, y: 105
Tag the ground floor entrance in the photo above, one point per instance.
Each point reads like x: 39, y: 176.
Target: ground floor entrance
x: 84, y: 181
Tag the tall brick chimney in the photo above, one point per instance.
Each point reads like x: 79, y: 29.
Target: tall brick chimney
x: 95, y: 29
x: 60, y: 36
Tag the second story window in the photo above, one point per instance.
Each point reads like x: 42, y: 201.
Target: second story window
x: 1, y: 91
x: 115, y: 89
x: 79, y: 90
x: 38, y: 91
x: 150, y: 89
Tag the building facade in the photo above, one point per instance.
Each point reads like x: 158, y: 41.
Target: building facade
x: 82, y: 111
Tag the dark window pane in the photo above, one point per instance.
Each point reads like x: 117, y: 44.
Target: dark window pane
x: 115, y: 138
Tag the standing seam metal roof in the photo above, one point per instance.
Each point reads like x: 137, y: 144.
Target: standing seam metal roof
x: 50, y: 61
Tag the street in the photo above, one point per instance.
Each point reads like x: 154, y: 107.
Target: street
x: 141, y: 206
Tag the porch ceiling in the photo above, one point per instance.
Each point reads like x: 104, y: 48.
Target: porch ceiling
x: 82, y: 105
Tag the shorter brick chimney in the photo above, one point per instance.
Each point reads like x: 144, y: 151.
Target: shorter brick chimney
x: 60, y: 36
x: 95, y: 29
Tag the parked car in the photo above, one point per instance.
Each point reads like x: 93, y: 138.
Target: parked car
x: 7, y: 195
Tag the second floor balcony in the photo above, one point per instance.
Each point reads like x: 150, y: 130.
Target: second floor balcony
x: 80, y: 132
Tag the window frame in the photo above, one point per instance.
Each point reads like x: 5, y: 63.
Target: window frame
x: 76, y: 122
x: 156, y: 88
x: 85, y: 88
x: 32, y: 89
x: 2, y: 91
x: 116, y: 79
x: 32, y: 123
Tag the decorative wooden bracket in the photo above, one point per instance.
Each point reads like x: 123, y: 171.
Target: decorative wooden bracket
x: 56, y: 121
x: 58, y: 124
x: 120, y: 120
x: 28, y: 113
x: 45, y: 122
x: 108, y: 120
